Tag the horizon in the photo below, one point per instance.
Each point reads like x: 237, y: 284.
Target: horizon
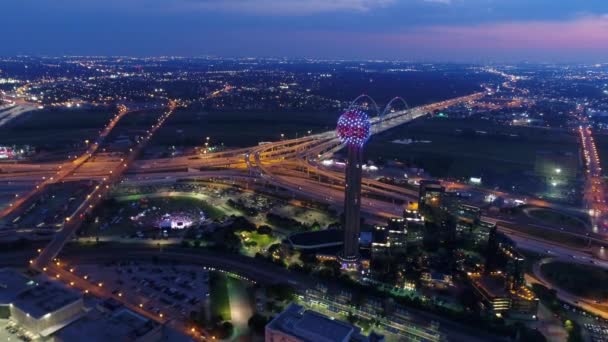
x: 463, y: 31
x: 597, y: 63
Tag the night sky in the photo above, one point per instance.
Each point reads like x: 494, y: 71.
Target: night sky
x: 417, y: 30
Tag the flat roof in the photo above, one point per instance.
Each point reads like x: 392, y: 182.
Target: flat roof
x: 121, y: 325
x: 321, y: 328
x: 318, y: 238
x: 12, y: 283
x: 45, y: 297
x: 312, y: 326
x: 493, y: 285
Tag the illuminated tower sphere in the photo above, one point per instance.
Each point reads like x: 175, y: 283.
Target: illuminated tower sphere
x: 354, y: 128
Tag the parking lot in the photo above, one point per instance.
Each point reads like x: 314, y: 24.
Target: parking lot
x: 166, y: 290
x: 11, y: 332
x: 597, y: 332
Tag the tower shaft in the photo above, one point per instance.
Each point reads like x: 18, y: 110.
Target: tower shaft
x: 352, y: 203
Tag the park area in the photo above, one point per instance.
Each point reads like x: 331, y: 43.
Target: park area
x: 140, y: 215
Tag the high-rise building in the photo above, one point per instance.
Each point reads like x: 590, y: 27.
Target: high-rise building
x: 354, y: 128
x: 430, y: 193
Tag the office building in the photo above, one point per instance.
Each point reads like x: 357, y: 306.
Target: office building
x: 430, y: 193
x: 296, y: 324
x: 46, y: 307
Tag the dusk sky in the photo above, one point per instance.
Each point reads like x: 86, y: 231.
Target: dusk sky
x: 419, y: 30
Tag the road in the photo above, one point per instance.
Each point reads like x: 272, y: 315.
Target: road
x: 587, y: 304
x: 72, y: 222
x: 594, y: 195
x: 68, y: 167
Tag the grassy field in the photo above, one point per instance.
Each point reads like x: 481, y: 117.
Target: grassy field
x: 190, y: 127
x: 253, y: 242
x: 458, y: 148
x: 55, y: 128
x: 557, y: 218
x: 220, y: 300
x: 178, y: 202
x: 601, y: 141
x: 582, y: 280
x: 549, y: 235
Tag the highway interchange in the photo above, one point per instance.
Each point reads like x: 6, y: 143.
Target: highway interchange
x: 291, y: 165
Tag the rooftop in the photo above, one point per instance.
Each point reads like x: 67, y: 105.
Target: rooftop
x: 122, y: 325
x: 493, y: 285
x: 45, y: 297
x: 317, y: 239
x: 312, y: 326
x: 11, y: 284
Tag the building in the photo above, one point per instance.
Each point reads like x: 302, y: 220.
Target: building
x: 354, y: 128
x: 514, y: 266
x: 316, y: 240
x: 430, y: 193
x: 296, y: 324
x: 390, y: 240
x: 120, y: 324
x: 415, y: 226
x: 497, y: 298
x: 482, y: 232
x: 436, y: 280
x: 468, y: 213
x: 524, y: 304
x: 400, y: 324
x: 491, y: 293
x: 12, y: 283
x: 46, y: 307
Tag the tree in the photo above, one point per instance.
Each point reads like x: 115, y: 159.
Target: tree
x: 223, y: 331
x: 282, y: 292
x: 257, y: 323
x: 265, y: 229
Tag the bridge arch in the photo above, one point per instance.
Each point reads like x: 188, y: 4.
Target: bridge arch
x: 389, y: 105
x: 367, y: 97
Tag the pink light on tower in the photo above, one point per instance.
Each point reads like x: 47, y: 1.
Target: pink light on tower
x: 354, y: 128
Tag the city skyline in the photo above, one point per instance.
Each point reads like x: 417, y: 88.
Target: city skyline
x: 417, y: 30
x: 304, y: 170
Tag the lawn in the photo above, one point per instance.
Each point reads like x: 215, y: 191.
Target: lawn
x: 557, y: 218
x: 463, y: 148
x: 52, y: 129
x: 582, y: 280
x: 549, y: 235
x: 172, y: 201
x: 601, y: 142
x: 190, y: 127
x: 220, y: 300
x: 254, y: 242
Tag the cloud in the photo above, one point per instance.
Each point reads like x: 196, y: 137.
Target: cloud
x: 289, y: 7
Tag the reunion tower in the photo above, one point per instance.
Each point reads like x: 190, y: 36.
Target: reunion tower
x: 354, y: 128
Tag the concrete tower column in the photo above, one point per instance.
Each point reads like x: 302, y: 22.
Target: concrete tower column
x: 352, y: 204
